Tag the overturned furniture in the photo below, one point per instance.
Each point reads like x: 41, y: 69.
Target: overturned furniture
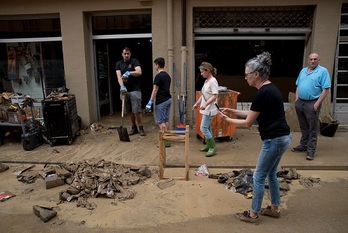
x: 173, y: 136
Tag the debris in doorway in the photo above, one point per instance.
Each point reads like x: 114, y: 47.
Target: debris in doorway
x: 95, y: 127
x: 44, y: 213
x: 55, y: 151
x: 202, y: 171
x: 6, y: 195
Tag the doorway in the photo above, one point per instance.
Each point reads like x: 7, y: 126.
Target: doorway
x: 229, y: 56
x: 107, y: 53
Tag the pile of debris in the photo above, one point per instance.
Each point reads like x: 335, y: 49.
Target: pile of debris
x: 242, y: 181
x: 92, y: 178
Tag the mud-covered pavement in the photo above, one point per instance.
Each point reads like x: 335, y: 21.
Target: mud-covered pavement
x: 197, y: 205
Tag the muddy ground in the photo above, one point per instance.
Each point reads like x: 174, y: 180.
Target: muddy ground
x: 198, y: 205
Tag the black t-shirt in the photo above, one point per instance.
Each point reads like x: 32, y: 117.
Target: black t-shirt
x: 268, y: 102
x: 133, y: 83
x: 162, y: 80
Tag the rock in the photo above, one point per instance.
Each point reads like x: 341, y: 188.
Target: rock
x: 44, y: 213
x: 3, y: 167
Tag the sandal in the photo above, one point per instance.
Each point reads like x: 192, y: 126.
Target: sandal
x: 269, y: 212
x: 245, y: 216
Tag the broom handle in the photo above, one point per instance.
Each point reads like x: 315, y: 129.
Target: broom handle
x: 122, y: 106
x: 122, y: 113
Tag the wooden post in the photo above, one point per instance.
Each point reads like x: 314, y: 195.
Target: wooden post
x: 162, y: 154
x: 187, y: 151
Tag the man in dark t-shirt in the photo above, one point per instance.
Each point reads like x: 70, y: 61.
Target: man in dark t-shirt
x: 128, y: 72
x: 161, y: 96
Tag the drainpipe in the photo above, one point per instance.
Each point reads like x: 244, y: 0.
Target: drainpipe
x: 183, y: 56
x: 170, y: 51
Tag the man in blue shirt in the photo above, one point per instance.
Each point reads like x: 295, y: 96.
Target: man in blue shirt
x: 313, y: 85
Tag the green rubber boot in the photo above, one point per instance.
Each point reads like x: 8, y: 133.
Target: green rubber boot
x: 204, y: 149
x: 212, y: 147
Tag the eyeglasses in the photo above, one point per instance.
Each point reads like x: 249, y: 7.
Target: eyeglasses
x: 247, y: 74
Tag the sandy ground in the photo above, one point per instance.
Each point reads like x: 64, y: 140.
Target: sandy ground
x: 197, y: 205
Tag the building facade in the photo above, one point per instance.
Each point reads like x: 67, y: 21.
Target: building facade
x: 46, y: 45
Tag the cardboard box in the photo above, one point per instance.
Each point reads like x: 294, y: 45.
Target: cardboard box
x: 13, y: 117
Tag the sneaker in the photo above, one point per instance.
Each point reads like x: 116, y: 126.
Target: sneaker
x: 141, y: 131
x: 310, y: 156
x: 269, y: 212
x: 299, y: 148
x: 133, y: 131
x: 245, y: 216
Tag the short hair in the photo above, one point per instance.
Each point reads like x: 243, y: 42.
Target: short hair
x: 126, y: 49
x: 160, y: 62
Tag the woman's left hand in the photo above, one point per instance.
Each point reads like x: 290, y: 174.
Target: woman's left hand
x: 222, y: 115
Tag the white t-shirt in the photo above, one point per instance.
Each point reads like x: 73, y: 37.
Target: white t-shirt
x: 209, y: 88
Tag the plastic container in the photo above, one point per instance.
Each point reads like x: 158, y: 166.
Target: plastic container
x: 220, y: 128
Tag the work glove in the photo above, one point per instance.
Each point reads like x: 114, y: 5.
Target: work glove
x: 127, y: 74
x: 123, y: 90
x: 149, y: 104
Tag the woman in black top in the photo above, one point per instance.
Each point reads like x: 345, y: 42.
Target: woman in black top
x: 268, y: 109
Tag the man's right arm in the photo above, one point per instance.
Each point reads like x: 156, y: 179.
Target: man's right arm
x: 119, y: 77
x: 296, y: 94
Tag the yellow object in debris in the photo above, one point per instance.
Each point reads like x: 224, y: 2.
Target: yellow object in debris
x: 249, y: 195
x: 13, y: 107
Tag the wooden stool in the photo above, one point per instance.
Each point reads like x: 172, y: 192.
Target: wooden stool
x: 173, y: 136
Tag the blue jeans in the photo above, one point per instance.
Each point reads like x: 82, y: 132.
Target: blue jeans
x: 270, y: 155
x: 206, y: 126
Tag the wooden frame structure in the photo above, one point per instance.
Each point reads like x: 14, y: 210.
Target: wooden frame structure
x: 173, y: 136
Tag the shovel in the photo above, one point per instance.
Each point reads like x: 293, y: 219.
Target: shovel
x: 122, y: 132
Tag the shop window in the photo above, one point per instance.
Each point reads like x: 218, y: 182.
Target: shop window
x: 31, y: 56
x: 30, y: 28
x: 27, y: 67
